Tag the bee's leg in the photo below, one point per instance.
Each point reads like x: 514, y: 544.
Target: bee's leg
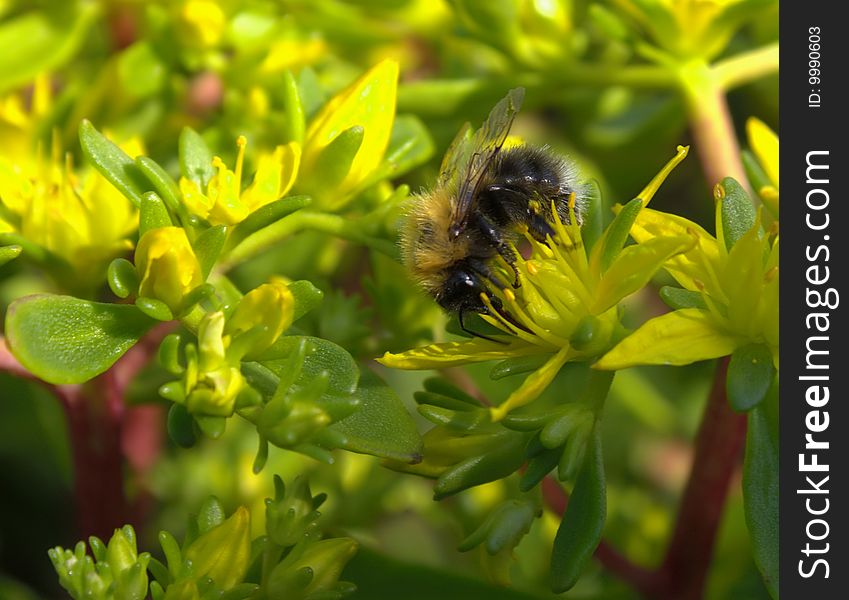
x: 475, y: 333
x: 489, y: 229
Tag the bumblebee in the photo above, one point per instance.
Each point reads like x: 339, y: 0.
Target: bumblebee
x: 485, y: 196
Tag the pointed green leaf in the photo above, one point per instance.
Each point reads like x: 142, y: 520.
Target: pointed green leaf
x: 335, y: 160
x: 496, y: 463
x: 195, y: 158
x: 617, y: 232
x: 67, y: 340
x: 264, y: 216
x: 181, y: 426
x: 750, y: 375
x: 165, y: 186
x: 152, y: 213
x: 295, y: 119
x: 580, y: 530
x: 307, y: 297
x: 8, y: 253
x: 381, y: 425
x: 760, y: 490
x: 113, y: 163
x: 737, y: 212
x: 208, y: 246
x: 676, y: 298
x: 592, y: 227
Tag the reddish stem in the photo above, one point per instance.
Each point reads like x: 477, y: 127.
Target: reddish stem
x: 718, y: 447
x: 103, y: 432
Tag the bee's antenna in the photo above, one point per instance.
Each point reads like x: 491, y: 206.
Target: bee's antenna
x: 475, y: 333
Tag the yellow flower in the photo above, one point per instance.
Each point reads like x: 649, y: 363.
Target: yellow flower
x: 224, y: 203
x: 201, y: 23
x: 212, y: 379
x: 272, y: 306
x: 346, y: 140
x: 167, y: 266
x: 764, y: 145
x: 19, y: 125
x: 731, y: 293
x: 565, y: 306
x: 83, y: 224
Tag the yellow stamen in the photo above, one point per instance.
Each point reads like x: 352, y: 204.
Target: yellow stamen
x: 241, y: 142
x: 770, y: 274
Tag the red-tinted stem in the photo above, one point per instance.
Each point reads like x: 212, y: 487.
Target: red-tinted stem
x: 718, y: 447
x: 94, y: 427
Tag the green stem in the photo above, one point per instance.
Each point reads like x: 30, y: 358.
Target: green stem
x: 710, y: 121
x: 306, y: 221
x: 747, y: 66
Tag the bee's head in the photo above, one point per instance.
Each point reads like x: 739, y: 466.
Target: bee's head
x: 462, y: 291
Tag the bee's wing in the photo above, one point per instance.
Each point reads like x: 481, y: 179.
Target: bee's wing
x: 456, y: 157
x: 479, y: 152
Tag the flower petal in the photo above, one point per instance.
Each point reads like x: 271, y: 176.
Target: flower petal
x: 635, y: 266
x: 533, y: 385
x: 680, y: 337
x: 687, y: 266
x: 764, y: 143
x: 452, y: 354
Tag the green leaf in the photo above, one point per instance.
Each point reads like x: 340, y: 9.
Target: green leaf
x: 737, y: 212
x: 113, y: 163
x: 760, y: 491
x: 8, y: 253
x: 410, y: 145
x: 380, y: 577
x: 677, y: 298
x: 152, y: 214
x: 264, y: 216
x: 750, y: 375
x: 592, y: 227
x: 325, y: 356
x: 295, y: 119
x: 61, y: 339
x: 307, y: 297
x: 505, y: 457
x: 165, y: 186
x: 335, y: 160
x: 155, y: 309
x: 580, y: 530
x: 122, y: 277
x: 195, y: 158
x: 40, y: 41
x: 208, y: 246
x: 381, y: 426
x: 181, y: 427
x: 617, y: 232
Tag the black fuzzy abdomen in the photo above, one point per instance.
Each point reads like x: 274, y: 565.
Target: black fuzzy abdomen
x: 523, y: 183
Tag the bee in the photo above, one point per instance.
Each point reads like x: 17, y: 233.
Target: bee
x: 485, y: 197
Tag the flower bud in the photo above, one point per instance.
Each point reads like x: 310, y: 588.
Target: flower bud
x: 167, y: 266
x: 223, y: 553
x: 323, y: 560
x: 271, y: 305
